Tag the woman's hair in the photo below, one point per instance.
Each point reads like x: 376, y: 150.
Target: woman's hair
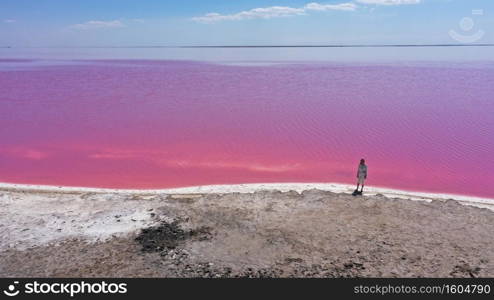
x: 362, y: 161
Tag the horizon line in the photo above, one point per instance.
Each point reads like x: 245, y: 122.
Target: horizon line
x: 272, y: 46
x: 338, y: 46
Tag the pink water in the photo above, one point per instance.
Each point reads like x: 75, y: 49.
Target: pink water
x: 160, y: 124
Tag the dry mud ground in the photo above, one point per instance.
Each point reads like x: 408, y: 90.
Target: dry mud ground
x: 263, y: 234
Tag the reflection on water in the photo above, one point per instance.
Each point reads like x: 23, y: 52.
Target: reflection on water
x: 380, y: 54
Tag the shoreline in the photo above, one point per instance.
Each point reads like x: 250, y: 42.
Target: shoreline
x: 248, y: 188
x: 262, y: 230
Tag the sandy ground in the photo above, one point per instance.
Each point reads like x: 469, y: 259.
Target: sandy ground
x: 257, y: 231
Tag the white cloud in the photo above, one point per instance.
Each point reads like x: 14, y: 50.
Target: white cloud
x: 325, y: 7
x: 98, y: 24
x: 273, y: 12
x: 9, y: 21
x: 389, y: 2
x: 256, y: 13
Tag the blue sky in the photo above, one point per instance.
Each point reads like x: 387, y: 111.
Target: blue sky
x: 240, y: 22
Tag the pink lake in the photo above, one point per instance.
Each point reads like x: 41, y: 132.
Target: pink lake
x: 161, y: 124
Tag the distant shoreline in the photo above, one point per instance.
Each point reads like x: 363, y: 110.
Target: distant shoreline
x: 271, y: 46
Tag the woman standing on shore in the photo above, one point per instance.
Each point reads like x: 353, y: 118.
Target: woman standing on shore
x: 361, y: 175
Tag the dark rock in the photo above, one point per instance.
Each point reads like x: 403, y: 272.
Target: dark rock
x: 168, y: 236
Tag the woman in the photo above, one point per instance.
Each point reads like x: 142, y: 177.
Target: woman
x: 361, y: 175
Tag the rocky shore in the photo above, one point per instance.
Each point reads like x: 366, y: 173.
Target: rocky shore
x: 262, y: 234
